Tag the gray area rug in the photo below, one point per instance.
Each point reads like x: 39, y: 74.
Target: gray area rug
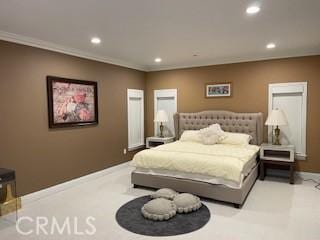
x: 129, y: 217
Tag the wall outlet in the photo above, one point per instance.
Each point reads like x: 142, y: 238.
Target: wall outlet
x: 124, y: 151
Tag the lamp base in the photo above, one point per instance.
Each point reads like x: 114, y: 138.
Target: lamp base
x: 161, y: 130
x: 277, y: 136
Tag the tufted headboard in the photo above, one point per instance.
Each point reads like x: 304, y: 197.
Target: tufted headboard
x: 249, y: 123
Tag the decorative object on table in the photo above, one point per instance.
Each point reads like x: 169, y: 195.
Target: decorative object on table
x: 187, y: 203
x: 156, y: 141
x: 277, y: 155
x: 10, y: 203
x: 161, y: 118
x: 129, y: 217
x: 159, y: 209
x: 277, y: 118
x: 217, y: 90
x: 71, y: 102
x: 166, y: 193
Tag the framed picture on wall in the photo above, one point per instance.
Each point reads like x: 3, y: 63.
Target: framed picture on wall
x: 71, y: 102
x: 217, y: 90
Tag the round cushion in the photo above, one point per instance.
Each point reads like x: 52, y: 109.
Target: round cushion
x: 187, y: 202
x: 164, y: 193
x: 159, y: 209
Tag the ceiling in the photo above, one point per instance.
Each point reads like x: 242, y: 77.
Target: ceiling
x: 135, y: 32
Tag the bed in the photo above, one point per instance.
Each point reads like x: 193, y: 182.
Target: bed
x: 229, y: 179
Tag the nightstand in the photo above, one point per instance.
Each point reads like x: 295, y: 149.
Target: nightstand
x: 277, y: 155
x: 156, y: 141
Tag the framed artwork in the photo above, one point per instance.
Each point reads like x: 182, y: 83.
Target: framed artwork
x: 218, y: 90
x: 71, y: 102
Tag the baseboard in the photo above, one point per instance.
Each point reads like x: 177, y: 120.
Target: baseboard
x: 309, y: 175
x: 304, y: 175
x: 32, y: 197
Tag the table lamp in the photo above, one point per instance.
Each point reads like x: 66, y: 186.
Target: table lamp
x: 161, y: 117
x: 277, y: 118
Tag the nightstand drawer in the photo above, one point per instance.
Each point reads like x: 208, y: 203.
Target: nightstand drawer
x: 277, y: 155
x: 280, y: 153
x: 157, y: 141
x: 152, y: 144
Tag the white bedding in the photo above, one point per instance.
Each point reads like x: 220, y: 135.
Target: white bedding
x: 221, y: 161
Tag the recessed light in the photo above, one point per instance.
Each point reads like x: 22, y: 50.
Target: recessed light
x: 95, y: 40
x: 157, y: 60
x: 253, y: 9
x: 270, y: 45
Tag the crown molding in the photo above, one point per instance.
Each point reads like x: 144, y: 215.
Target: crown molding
x: 16, y: 38
x: 229, y: 61
x: 20, y: 39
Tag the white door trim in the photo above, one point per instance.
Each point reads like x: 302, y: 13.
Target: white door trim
x: 163, y: 93
x: 292, y: 87
x: 135, y: 93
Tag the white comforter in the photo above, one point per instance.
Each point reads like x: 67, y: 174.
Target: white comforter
x: 219, y: 160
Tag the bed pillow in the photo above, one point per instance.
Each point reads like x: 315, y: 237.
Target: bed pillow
x: 209, y: 139
x: 236, y: 139
x: 212, y: 134
x: 191, y: 136
x: 216, y: 128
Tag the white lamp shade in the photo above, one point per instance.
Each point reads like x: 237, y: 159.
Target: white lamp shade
x: 277, y: 118
x: 161, y: 116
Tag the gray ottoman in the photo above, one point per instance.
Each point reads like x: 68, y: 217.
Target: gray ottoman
x: 159, y: 209
x: 164, y: 193
x: 187, y: 202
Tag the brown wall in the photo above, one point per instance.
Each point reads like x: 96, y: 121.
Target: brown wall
x: 250, y: 92
x: 44, y: 157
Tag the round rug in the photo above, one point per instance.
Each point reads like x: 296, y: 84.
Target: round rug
x: 129, y: 217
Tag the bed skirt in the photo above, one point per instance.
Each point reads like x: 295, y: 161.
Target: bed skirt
x: 213, y: 191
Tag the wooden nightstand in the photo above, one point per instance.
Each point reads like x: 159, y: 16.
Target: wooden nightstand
x: 156, y: 141
x: 277, y: 155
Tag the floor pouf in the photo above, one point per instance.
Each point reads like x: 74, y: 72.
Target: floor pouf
x: 187, y: 202
x: 164, y: 193
x: 159, y: 209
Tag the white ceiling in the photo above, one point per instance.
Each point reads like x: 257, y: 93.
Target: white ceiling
x: 134, y: 32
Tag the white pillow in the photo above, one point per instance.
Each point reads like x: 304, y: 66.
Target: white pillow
x: 236, y: 139
x: 212, y: 134
x: 191, y: 136
x: 209, y: 139
x: 216, y: 129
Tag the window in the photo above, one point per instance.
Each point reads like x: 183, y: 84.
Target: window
x: 135, y: 103
x: 292, y: 99
x: 165, y: 99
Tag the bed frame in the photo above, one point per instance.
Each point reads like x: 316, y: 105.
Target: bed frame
x: 249, y: 123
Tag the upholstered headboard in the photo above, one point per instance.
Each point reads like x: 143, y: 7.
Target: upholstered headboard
x: 249, y: 123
